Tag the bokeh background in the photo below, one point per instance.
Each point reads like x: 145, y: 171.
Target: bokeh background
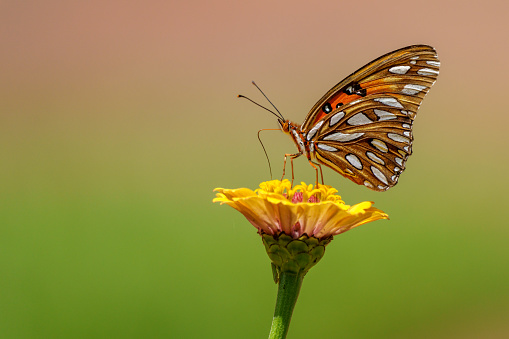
x: 118, y: 118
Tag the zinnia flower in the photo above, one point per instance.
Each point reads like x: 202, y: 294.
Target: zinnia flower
x: 296, y: 223
x: 317, y: 212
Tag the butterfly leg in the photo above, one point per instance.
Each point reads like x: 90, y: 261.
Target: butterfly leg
x: 292, y: 156
x: 316, y: 169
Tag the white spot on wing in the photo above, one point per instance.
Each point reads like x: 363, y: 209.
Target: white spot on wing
x: 427, y: 71
x: 393, y: 102
x: 415, y: 58
x: 335, y: 118
x: 375, y: 158
x: 380, y: 145
x: 368, y: 184
x: 407, y: 133
x: 399, y: 161
x: 379, y: 175
x: 398, y: 138
x: 406, y: 126
x: 384, y: 115
x: 411, y: 89
x: 413, y: 62
x: 359, y: 119
x: 433, y: 63
x: 343, y: 136
x: 313, y: 130
x: 399, y: 69
x: 326, y: 147
x: 354, y: 161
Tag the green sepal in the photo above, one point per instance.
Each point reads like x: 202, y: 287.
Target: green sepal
x: 293, y: 256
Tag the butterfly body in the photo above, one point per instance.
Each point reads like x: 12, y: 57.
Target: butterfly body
x: 362, y: 127
x: 298, y: 137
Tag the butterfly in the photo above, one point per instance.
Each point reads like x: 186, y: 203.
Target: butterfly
x: 362, y: 127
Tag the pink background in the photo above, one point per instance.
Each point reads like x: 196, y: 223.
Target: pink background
x: 127, y: 99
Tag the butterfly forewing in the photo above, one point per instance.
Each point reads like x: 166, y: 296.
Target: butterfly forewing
x: 402, y: 67
x: 365, y: 121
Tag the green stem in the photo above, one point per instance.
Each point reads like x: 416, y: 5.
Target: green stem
x: 287, y: 294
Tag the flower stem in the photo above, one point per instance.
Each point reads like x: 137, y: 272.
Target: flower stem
x: 287, y: 294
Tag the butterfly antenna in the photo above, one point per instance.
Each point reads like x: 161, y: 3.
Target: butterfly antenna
x: 281, y: 115
x: 257, y: 104
x: 268, y: 160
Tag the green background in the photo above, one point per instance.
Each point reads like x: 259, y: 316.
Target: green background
x: 118, y: 119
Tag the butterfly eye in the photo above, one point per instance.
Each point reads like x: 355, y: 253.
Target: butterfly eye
x: 327, y: 108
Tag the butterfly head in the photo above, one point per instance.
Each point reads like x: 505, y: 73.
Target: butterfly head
x: 284, y: 125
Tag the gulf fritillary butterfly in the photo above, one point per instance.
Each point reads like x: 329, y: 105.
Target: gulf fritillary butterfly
x: 362, y: 127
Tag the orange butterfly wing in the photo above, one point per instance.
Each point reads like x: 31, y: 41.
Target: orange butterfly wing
x: 366, y: 119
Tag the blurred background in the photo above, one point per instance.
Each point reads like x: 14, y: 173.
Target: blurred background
x: 119, y: 118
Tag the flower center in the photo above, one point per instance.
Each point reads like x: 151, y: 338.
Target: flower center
x: 299, y: 197
x: 313, y: 199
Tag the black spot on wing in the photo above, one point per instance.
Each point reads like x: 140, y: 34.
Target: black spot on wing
x: 327, y: 108
x: 355, y: 88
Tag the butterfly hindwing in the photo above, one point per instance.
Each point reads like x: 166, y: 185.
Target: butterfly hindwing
x: 368, y: 138
x: 367, y: 141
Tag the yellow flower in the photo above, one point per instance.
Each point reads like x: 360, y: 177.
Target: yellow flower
x: 303, y: 210
x: 295, y: 223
